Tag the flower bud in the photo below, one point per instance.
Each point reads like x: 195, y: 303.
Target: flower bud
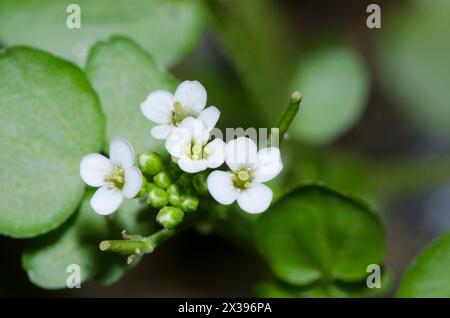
x: 158, y: 198
x: 150, y: 163
x: 200, y: 184
x: 185, y: 180
x: 143, y: 190
x: 189, y: 203
x: 162, y: 179
x: 170, y: 217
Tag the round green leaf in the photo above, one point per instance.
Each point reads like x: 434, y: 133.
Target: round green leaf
x: 123, y: 75
x: 49, y: 119
x: 428, y: 274
x: 416, y: 73
x: 167, y: 28
x: 47, y: 257
x: 315, y: 233
x: 334, y: 83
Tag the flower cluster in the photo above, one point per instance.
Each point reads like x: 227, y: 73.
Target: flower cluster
x: 185, y: 125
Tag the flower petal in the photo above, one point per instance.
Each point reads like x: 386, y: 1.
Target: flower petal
x: 161, y: 131
x: 158, y: 107
x: 197, y: 128
x: 192, y: 166
x: 255, y: 199
x: 216, y: 153
x: 209, y: 116
x: 221, y: 187
x: 241, y: 152
x: 269, y: 164
x: 121, y: 153
x: 93, y: 169
x: 178, y: 142
x: 133, y: 182
x: 106, y: 201
x: 191, y: 95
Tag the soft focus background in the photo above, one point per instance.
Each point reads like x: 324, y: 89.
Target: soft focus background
x: 375, y: 122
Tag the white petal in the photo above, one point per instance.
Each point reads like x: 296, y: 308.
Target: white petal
x: 216, y: 153
x: 197, y: 128
x: 241, y: 152
x: 178, y: 142
x: 93, y: 169
x: 221, y: 187
x: 269, y: 164
x: 121, y: 153
x: 209, y: 116
x: 106, y: 201
x: 255, y: 199
x: 133, y: 182
x: 191, y: 95
x: 158, y: 107
x: 161, y: 131
x: 192, y: 166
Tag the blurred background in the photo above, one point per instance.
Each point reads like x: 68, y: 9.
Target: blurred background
x: 375, y: 123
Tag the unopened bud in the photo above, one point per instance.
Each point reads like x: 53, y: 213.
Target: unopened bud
x: 150, y: 163
x: 143, y: 190
x: 200, y: 184
x: 189, y: 203
x: 170, y: 217
x: 185, y: 180
x: 162, y: 179
x: 158, y: 198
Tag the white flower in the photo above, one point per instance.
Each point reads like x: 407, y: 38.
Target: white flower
x: 249, y: 169
x: 188, y: 145
x: 167, y: 110
x: 116, y: 177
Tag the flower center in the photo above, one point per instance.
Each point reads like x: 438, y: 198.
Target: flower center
x: 197, y: 151
x: 115, y: 179
x: 242, y: 178
x: 179, y: 113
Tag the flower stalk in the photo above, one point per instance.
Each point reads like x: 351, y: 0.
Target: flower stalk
x: 289, y: 114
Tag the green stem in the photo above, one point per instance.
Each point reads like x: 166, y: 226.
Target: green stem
x: 289, y: 114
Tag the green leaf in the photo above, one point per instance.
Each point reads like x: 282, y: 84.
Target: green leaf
x: 274, y: 289
x: 416, y: 73
x: 334, y: 82
x: 315, y: 233
x: 166, y: 28
x: 428, y: 274
x: 76, y: 242
x: 123, y: 75
x: 49, y: 119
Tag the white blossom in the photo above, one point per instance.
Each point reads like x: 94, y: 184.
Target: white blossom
x: 248, y: 170
x: 168, y: 110
x: 116, y: 177
x: 188, y: 145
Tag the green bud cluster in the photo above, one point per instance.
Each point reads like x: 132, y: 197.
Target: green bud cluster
x: 169, y: 189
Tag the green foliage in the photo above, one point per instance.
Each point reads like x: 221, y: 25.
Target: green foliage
x: 428, y: 275
x: 417, y: 72
x: 123, y: 75
x: 49, y: 119
x: 166, y: 28
x: 322, y: 290
x: 76, y: 242
x: 335, y: 83
x: 316, y: 234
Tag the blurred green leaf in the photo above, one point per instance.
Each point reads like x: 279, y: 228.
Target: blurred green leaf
x: 335, y: 84
x: 166, y: 28
x: 417, y: 72
x: 428, y: 275
x: 76, y: 242
x: 123, y: 75
x: 315, y: 233
x: 253, y: 35
x: 49, y: 119
x: 274, y: 289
